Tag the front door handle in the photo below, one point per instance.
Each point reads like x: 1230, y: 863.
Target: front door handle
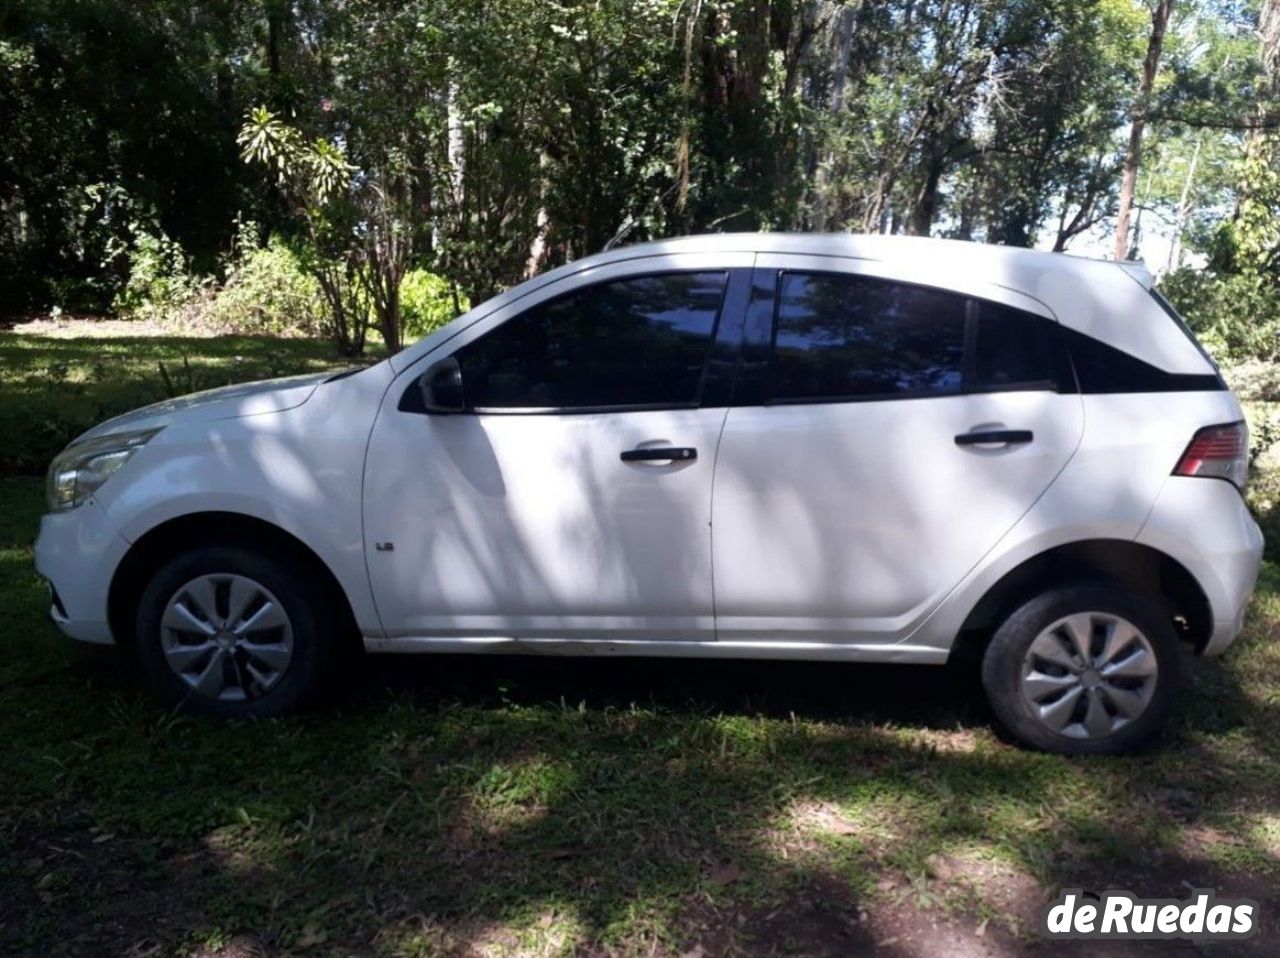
x: 660, y: 454
x: 994, y: 436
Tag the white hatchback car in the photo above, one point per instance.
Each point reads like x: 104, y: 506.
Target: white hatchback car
x: 848, y: 448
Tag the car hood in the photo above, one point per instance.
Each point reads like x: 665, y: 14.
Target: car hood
x: 241, y: 399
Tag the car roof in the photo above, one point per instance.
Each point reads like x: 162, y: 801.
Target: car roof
x: 883, y: 247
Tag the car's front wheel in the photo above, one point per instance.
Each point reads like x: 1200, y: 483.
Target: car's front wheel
x: 227, y: 631
x: 1088, y: 669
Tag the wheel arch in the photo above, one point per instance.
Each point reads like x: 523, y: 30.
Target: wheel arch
x: 168, y: 538
x: 1143, y: 569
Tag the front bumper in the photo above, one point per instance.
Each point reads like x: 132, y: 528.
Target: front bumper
x: 78, y: 552
x: 1205, y: 525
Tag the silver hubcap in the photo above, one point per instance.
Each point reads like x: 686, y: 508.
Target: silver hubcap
x: 1089, y: 675
x: 227, y: 637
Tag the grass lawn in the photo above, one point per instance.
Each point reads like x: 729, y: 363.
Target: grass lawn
x: 52, y: 388
x: 506, y: 806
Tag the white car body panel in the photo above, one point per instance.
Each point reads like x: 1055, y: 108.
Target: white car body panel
x: 1143, y: 434
x: 529, y: 525
x: 79, y: 551
x: 1226, y: 571
x: 815, y: 503
x: 532, y: 526
x: 295, y: 461
x: 526, y: 532
x: 242, y: 399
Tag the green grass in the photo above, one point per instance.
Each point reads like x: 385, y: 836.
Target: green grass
x: 503, y: 806
x: 52, y: 389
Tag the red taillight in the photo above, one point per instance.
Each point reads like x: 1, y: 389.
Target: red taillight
x: 1218, y: 452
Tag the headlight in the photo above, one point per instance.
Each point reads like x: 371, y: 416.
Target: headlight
x: 76, y: 473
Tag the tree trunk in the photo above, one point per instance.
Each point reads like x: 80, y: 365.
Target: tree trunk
x: 1262, y: 140
x: 455, y: 143
x: 391, y: 319
x: 1269, y: 32
x: 537, y: 258
x: 1184, y: 208
x: 925, y: 208
x: 1138, y: 122
x: 841, y: 49
x: 278, y: 14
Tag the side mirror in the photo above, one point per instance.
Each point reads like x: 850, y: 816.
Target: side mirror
x: 441, y: 388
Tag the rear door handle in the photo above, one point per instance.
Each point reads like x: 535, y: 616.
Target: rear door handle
x: 660, y: 454
x: 993, y: 436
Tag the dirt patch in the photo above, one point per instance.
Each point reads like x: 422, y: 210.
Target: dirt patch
x: 820, y: 918
x: 80, y: 327
x: 823, y: 917
x: 962, y: 908
x: 71, y: 889
x: 75, y: 890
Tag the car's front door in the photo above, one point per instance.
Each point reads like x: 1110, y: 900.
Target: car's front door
x: 884, y: 437
x: 572, y: 497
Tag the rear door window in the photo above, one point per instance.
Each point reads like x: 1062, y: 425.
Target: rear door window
x: 845, y: 337
x: 1014, y: 350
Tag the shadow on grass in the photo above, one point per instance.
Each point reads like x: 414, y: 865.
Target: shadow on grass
x: 501, y: 805
x: 476, y: 805
x: 932, y: 697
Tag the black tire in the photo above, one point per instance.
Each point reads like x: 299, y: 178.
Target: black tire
x: 1003, y: 663
x: 317, y: 630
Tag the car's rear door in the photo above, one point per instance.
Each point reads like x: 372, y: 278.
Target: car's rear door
x: 884, y: 435
x: 572, y: 500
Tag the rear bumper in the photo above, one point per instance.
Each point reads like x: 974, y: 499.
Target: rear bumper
x: 1205, y: 525
x: 1224, y: 633
x: 78, y: 552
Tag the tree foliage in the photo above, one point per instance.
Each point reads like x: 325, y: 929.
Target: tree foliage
x: 486, y: 140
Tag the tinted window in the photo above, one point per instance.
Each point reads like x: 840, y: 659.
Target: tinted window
x: 1014, y: 350
x: 637, y: 341
x: 842, y: 336
x: 1101, y: 368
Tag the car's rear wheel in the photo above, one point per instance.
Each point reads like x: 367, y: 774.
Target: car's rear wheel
x: 1089, y: 669
x: 224, y: 630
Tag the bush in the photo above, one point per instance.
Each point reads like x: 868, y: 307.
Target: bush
x: 159, y: 282
x: 1237, y: 317
x: 266, y: 292
x: 1264, y: 503
x: 1257, y: 384
x: 1253, y: 380
x: 426, y: 304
